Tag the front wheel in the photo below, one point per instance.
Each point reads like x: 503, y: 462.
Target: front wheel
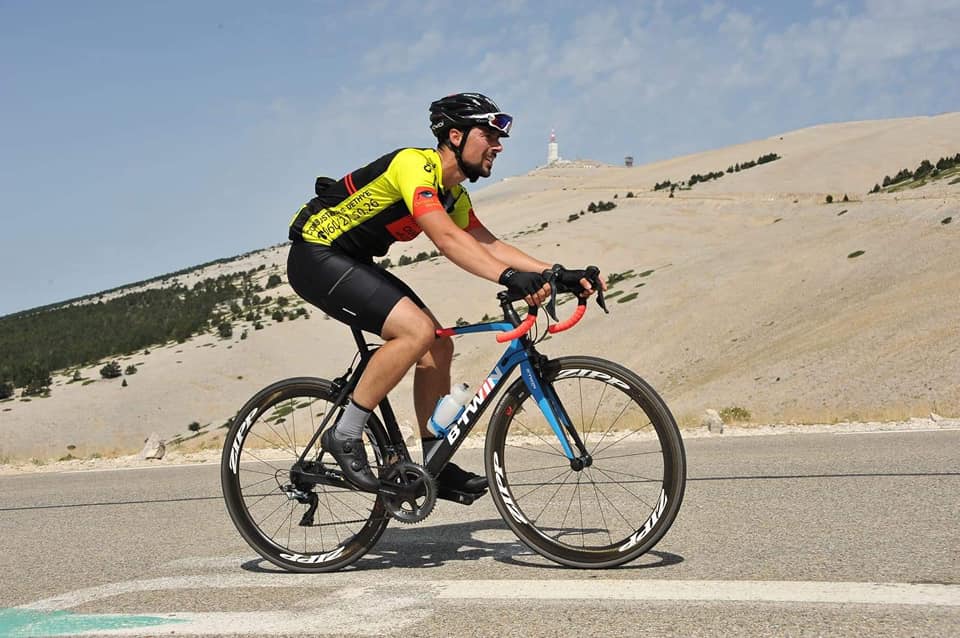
x: 618, y: 506
x: 299, y: 527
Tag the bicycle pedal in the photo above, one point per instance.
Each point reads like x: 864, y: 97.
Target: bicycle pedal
x: 464, y: 498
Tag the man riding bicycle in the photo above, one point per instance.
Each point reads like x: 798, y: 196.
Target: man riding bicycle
x: 337, y: 233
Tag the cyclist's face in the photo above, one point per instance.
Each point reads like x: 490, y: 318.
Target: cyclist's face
x: 482, y: 147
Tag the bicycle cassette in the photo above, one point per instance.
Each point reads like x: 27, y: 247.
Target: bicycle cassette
x: 408, y: 491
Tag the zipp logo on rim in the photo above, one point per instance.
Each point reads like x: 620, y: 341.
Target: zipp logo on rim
x: 505, y: 493
x: 312, y: 559
x: 592, y: 374
x: 648, y: 526
x: 238, y: 441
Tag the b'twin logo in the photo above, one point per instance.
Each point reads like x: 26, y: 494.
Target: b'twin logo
x: 238, y: 441
x: 643, y: 531
x: 505, y: 493
x: 313, y: 559
x: 471, y: 408
x: 592, y: 374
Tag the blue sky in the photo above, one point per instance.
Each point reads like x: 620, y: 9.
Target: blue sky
x: 139, y: 138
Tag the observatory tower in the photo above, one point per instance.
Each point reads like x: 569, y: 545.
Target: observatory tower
x: 553, y: 154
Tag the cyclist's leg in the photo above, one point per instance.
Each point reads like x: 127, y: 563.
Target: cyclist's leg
x: 430, y: 382
x: 366, y: 297
x: 431, y: 379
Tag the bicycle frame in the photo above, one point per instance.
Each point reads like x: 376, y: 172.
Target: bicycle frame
x: 520, y: 352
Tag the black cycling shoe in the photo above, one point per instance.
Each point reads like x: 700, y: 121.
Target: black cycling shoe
x: 458, y: 485
x: 352, y: 459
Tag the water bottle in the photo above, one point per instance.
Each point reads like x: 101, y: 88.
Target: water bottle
x: 448, y: 409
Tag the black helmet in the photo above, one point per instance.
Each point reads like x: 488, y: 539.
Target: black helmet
x: 467, y: 110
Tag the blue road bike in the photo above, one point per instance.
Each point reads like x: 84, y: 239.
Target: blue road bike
x: 584, y: 460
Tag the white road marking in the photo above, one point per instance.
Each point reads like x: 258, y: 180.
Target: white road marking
x: 350, y: 585
x: 377, y: 608
x: 902, y: 431
x: 706, y: 590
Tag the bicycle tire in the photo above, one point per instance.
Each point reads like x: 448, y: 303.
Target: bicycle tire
x: 263, y: 442
x: 634, y: 491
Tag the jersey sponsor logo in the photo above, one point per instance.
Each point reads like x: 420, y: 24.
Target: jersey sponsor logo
x: 425, y: 201
x: 428, y: 167
x: 404, y: 229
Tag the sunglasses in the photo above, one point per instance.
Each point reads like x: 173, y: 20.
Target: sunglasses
x: 500, y: 121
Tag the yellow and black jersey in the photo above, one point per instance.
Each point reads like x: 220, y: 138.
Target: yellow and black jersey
x: 367, y: 210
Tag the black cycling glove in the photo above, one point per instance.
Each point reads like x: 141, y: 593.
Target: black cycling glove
x: 522, y: 283
x: 569, y: 280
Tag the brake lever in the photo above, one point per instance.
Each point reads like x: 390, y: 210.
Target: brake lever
x: 593, y: 275
x: 551, y: 305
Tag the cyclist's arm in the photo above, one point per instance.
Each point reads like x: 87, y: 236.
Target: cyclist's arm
x: 515, y: 257
x: 461, y: 247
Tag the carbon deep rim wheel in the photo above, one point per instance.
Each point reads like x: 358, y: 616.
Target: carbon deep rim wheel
x: 265, y: 440
x: 610, y: 512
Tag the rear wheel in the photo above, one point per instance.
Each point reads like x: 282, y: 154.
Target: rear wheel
x: 616, y: 508
x: 302, y: 528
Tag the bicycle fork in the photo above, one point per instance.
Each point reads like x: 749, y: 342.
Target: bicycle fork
x: 532, y: 371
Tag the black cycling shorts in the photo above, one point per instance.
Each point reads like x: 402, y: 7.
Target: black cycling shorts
x: 358, y: 293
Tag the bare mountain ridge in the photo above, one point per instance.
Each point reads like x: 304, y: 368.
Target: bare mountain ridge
x: 746, y: 295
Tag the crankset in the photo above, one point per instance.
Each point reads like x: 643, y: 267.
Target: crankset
x: 408, y: 491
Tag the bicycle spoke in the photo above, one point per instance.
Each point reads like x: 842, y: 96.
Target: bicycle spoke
x: 629, y: 433
x: 533, y: 449
x: 642, y: 479
x: 539, y: 485
x: 550, y: 500
x: 268, y: 442
x: 597, y: 410
x: 623, y: 456
x: 603, y: 518
x: 537, y: 469
x: 620, y: 485
x: 271, y: 477
x: 617, y: 510
x: 544, y: 441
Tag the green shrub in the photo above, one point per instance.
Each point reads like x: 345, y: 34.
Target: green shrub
x: 194, y: 427
x: 734, y: 414
x: 855, y: 254
x: 627, y: 298
x: 6, y: 390
x: 111, y: 371
x: 829, y: 199
x: 225, y: 329
x: 130, y: 370
x: 273, y: 281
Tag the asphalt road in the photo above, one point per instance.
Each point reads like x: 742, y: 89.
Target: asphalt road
x: 799, y: 535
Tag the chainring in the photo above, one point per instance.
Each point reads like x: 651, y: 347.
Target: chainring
x: 410, y: 510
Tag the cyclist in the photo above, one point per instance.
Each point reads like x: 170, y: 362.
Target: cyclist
x: 337, y: 233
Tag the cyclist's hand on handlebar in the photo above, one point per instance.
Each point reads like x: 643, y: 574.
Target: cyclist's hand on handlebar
x: 533, y: 287
x: 575, y: 280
